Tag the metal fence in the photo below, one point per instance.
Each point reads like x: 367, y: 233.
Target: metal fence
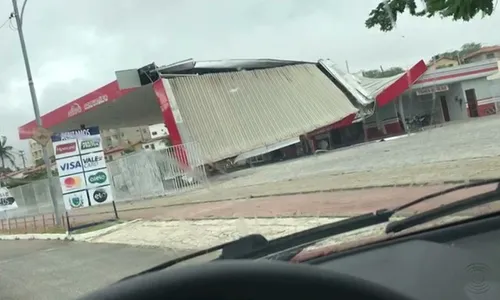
x: 142, y: 175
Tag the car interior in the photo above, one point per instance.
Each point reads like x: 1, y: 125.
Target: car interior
x: 453, y: 261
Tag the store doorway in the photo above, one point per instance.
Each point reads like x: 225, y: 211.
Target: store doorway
x: 470, y: 95
x: 444, y: 108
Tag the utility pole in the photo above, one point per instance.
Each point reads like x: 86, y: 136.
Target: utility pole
x: 36, y: 109
x: 23, y: 157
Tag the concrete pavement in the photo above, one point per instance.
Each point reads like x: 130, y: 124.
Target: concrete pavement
x: 455, y: 153
x: 66, y: 270
x: 204, y: 225
x: 327, y: 204
x: 450, y: 154
x: 199, y: 234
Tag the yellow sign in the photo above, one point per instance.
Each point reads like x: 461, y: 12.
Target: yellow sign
x: 41, y: 135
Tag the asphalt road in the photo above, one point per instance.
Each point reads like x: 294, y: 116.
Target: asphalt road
x: 66, y: 270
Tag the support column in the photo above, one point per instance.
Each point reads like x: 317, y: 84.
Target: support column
x: 402, y: 113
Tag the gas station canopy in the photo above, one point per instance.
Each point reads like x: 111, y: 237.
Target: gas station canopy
x: 229, y: 107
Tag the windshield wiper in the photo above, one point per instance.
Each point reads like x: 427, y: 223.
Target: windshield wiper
x: 287, y: 247
x: 284, y: 248
x: 445, y: 210
x: 256, y: 246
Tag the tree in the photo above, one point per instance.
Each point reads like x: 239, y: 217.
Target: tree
x: 383, y: 73
x: 386, y: 13
x: 466, y: 49
x: 6, y: 153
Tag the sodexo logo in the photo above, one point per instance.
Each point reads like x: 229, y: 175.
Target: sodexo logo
x: 71, y: 165
x: 90, y: 144
x: 100, y: 195
x: 98, y: 178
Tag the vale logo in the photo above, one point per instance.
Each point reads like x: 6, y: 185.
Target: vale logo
x: 92, y: 161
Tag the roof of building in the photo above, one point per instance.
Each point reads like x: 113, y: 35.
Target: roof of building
x: 483, y: 50
x: 457, y: 73
x: 255, y: 108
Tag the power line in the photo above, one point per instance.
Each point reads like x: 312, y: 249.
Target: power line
x: 8, y: 21
x: 12, y: 26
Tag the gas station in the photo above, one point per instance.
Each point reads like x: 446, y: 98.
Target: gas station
x: 230, y: 107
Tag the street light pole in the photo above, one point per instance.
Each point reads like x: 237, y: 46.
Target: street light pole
x: 36, y: 109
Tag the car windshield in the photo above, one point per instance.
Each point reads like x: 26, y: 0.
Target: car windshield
x: 134, y: 132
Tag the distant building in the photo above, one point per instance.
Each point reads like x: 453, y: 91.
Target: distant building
x: 119, y: 151
x: 158, y: 130
x: 159, y: 138
x: 485, y: 53
x: 156, y: 144
x: 443, y: 62
x: 122, y: 137
x: 36, y: 151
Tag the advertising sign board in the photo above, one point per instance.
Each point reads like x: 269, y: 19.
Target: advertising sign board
x: 81, y: 164
x: 7, y: 201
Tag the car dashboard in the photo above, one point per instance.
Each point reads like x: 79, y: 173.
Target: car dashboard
x: 455, y: 262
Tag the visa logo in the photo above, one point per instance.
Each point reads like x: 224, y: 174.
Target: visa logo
x: 71, y: 166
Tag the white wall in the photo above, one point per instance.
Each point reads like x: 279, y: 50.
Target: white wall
x: 158, y: 130
x: 455, y: 98
x: 155, y: 145
x: 487, y: 91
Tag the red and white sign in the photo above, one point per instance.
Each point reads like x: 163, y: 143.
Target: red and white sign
x: 41, y: 135
x: 432, y: 90
x: 95, y: 102
x: 74, y: 110
x: 65, y: 148
x: 106, y: 93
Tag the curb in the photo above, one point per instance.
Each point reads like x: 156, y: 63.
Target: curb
x: 81, y: 237
x: 89, y: 236
x: 435, y: 183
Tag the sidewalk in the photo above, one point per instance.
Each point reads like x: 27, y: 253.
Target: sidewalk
x: 405, y: 185
x: 326, y: 204
x: 201, y: 234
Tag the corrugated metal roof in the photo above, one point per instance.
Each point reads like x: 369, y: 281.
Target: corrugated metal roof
x: 231, y: 113
x: 375, y: 86
x: 191, y: 66
x: 349, y: 81
x: 266, y: 149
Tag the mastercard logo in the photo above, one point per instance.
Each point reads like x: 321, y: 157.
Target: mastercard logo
x: 72, y: 182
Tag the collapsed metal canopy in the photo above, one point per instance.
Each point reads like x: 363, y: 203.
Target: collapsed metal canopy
x: 230, y: 113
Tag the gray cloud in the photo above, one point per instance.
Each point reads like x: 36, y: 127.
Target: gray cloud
x: 75, y: 46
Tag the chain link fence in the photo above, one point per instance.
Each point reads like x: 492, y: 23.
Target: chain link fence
x: 137, y: 176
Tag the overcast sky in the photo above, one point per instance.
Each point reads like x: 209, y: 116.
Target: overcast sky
x: 75, y: 46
